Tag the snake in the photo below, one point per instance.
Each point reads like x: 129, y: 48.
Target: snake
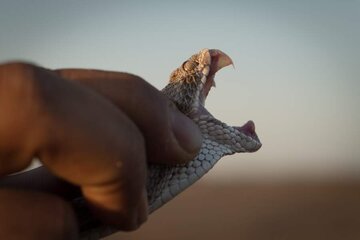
x: 188, y: 88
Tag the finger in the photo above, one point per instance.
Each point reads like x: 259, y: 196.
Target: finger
x: 41, y: 180
x: 25, y: 215
x: 170, y: 136
x: 79, y: 136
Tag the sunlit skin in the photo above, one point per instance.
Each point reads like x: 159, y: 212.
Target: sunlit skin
x: 94, y: 129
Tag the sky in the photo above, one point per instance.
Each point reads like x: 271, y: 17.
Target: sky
x: 297, y: 72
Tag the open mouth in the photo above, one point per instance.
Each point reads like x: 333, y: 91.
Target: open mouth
x: 217, y: 60
x: 213, y: 61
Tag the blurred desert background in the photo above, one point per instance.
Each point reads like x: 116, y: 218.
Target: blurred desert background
x: 257, y: 211
x: 296, y: 75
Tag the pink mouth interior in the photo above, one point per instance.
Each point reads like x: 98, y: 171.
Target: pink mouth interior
x: 215, y: 66
x: 209, y: 83
x: 218, y: 61
x: 248, y: 129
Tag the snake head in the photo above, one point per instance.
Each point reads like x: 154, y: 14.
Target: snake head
x: 189, y: 87
x: 191, y: 82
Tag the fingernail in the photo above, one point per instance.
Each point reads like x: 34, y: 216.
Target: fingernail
x: 186, y: 132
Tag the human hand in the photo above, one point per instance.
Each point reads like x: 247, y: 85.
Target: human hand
x: 95, y: 129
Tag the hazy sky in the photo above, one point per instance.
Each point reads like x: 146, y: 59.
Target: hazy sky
x: 297, y: 64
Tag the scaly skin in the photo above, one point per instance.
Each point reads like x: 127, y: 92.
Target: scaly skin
x: 188, y: 88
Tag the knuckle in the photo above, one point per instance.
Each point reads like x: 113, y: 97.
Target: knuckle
x: 18, y: 102
x: 17, y: 78
x: 17, y: 69
x: 134, y: 79
x: 20, y: 86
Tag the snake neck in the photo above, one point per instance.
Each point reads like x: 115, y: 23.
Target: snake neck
x: 184, y: 95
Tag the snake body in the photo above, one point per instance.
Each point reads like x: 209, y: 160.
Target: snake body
x: 188, y: 88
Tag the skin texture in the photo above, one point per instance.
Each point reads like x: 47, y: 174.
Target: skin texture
x: 94, y: 129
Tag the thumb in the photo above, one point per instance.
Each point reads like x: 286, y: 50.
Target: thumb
x: 170, y: 136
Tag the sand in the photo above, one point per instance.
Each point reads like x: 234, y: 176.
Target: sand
x: 257, y: 211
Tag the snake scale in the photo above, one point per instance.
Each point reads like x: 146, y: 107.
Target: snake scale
x: 188, y: 88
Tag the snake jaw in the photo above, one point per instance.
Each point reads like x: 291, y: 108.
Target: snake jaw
x: 219, y: 60
x: 213, y: 60
x: 190, y: 85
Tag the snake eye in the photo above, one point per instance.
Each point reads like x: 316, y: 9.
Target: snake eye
x: 189, y: 65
